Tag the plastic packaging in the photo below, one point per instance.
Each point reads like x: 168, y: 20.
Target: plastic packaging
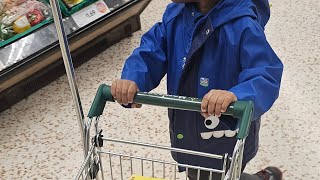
x: 18, y: 17
x: 21, y: 24
x: 71, y: 3
x: 35, y: 17
x: 69, y: 7
x: 6, y: 5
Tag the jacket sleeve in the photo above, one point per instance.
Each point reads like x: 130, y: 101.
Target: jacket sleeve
x: 261, y: 73
x: 147, y: 65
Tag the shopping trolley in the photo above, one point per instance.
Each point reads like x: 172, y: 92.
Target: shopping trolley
x: 92, y: 165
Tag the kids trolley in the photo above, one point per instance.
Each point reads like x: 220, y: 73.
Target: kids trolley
x: 92, y: 167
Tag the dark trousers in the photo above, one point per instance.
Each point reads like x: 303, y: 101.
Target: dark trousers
x: 204, y: 175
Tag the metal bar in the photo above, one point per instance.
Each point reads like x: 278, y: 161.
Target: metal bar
x: 101, y: 166
x: 88, y: 122
x: 210, y: 175
x: 161, y: 162
x: 86, y: 144
x: 198, y: 174
x: 86, y: 175
x: 184, y: 151
x: 224, y: 166
x: 240, y: 158
x: 131, y: 166
x: 152, y: 166
x: 187, y: 173
x: 63, y: 41
x: 121, y: 171
x: 233, y: 166
x: 86, y: 138
x: 110, y: 163
x: 99, y: 148
x: 175, y: 172
x: 227, y: 177
x: 85, y: 162
x: 141, y: 167
x: 164, y: 170
x: 91, y: 167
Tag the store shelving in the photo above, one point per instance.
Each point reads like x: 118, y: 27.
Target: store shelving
x: 35, y: 60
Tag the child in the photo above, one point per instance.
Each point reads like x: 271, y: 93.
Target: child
x: 210, y: 49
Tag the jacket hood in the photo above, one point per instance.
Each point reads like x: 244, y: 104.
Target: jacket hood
x: 228, y: 10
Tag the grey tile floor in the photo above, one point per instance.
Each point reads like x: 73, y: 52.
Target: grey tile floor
x: 39, y: 137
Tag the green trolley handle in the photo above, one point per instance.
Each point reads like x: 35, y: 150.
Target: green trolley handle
x: 240, y: 109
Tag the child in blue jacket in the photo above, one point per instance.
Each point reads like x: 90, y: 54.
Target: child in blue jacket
x: 210, y: 49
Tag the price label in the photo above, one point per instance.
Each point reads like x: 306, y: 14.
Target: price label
x: 90, y: 13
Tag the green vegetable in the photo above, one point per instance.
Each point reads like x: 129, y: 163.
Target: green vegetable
x: 6, y: 32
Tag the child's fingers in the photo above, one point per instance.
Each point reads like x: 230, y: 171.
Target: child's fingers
x: 219, y: 103
x: 212, y: 103
x: 119, y: 92
x: 230, y: 98
x: 131, y: 92
x: 113, y: 88
x: 205, y: 102
x: 226, y: 103
x: 124, y: 93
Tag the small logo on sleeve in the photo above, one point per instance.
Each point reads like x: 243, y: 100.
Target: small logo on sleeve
x: 204, y: 82
x: 184, y: 62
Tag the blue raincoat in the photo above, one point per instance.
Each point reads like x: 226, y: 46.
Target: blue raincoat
x: 224, y: 49
x: 263, y: 8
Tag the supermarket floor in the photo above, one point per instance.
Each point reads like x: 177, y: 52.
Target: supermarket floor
x: 39, y: 137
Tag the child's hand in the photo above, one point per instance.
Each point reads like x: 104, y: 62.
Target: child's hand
x: 216, y: 102
x: 123, y: 92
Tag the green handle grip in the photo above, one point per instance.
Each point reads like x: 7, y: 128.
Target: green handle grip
x: 240, y: 109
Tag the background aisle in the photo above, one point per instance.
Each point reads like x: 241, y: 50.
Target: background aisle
x: 39, y: 137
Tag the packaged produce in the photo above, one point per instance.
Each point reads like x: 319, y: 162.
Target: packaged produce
x: 6, y: 5
x: 18, y: 16
x: 69, y: 7
x: 71, y: 3
x: 6, y: 32
x: 35, y: 17
x: 21, y: 24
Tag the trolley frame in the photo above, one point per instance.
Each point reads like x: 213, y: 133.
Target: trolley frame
x: 92, y: 164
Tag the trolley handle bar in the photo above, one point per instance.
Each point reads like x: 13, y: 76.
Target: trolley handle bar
x: 240, y: 109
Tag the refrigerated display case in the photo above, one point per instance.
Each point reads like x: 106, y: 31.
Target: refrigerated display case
x: 34, y: 61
